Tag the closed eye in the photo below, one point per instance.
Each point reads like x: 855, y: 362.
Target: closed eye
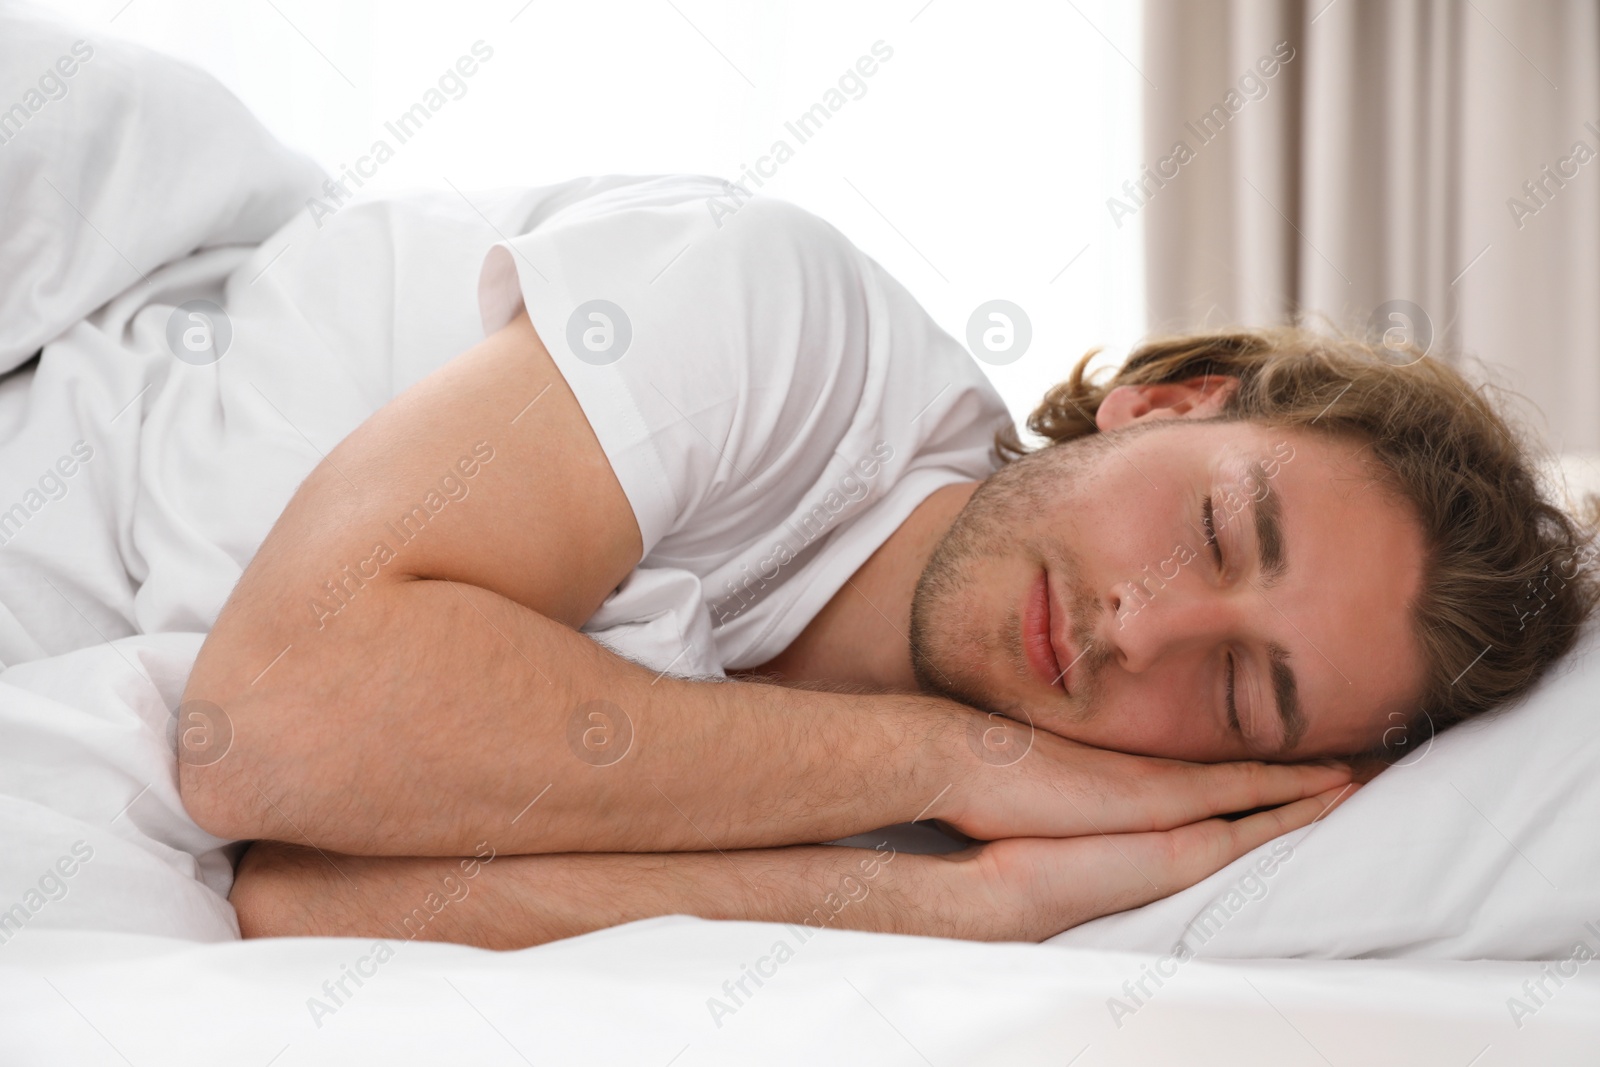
x: 1207, y: 522
x: 1233, y: 709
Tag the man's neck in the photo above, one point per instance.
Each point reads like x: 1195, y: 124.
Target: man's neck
x: 862, y: 635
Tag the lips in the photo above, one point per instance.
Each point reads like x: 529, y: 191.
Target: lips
x: 1038, y: 635
x: 1061, y: 645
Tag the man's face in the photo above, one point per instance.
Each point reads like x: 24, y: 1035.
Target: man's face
x: 1103, y: 543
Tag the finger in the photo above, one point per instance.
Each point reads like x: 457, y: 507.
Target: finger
x: 1203, y: 848
x: 1141, y: 793
x: 1222, y: 788
x: 1082, y: 878
x: 1171, y: 860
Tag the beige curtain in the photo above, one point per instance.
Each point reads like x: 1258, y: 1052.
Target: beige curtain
x: 1436, y: 162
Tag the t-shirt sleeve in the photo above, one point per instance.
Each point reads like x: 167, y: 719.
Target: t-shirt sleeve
x: 730, y: 352
x: 712, y: 343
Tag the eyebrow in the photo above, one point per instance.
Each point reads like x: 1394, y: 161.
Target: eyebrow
x: 1269, y: 538
x: 1288, y: 696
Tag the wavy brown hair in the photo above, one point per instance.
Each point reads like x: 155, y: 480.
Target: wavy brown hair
x: 1506, y: 582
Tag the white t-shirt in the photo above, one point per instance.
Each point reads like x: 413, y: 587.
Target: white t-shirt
x: 779, y: 406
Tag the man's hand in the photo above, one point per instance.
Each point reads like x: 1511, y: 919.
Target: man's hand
x: 1045, y: 886
x: 1017, y: 782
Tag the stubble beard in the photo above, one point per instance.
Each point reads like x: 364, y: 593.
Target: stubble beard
x: 940, y: 637
x: 944, y: 634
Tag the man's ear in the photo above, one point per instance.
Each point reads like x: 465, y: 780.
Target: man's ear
x: 1197, y: 398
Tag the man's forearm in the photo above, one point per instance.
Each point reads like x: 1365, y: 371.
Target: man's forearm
x: 434, y: 715
x: 503, y: 902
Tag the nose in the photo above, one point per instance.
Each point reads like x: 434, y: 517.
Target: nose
x: 1155, y: 620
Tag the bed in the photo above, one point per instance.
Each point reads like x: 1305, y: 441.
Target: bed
x: 181, y: 340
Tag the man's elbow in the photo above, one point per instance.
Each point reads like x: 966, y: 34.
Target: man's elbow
x: 239, y: 774
x: 214, y: 801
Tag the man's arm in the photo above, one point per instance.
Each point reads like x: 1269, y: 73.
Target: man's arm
x: 1018, y: 889
x: 398, y: 673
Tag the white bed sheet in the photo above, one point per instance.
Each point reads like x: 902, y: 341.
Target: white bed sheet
x: 638, y: 994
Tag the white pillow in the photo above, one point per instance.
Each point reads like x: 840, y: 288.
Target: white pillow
x: 1480, y: 845
x: 91, y: 128
x: 95, y: 835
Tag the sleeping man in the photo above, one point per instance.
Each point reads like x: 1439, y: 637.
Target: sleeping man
x: 716, y: 548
